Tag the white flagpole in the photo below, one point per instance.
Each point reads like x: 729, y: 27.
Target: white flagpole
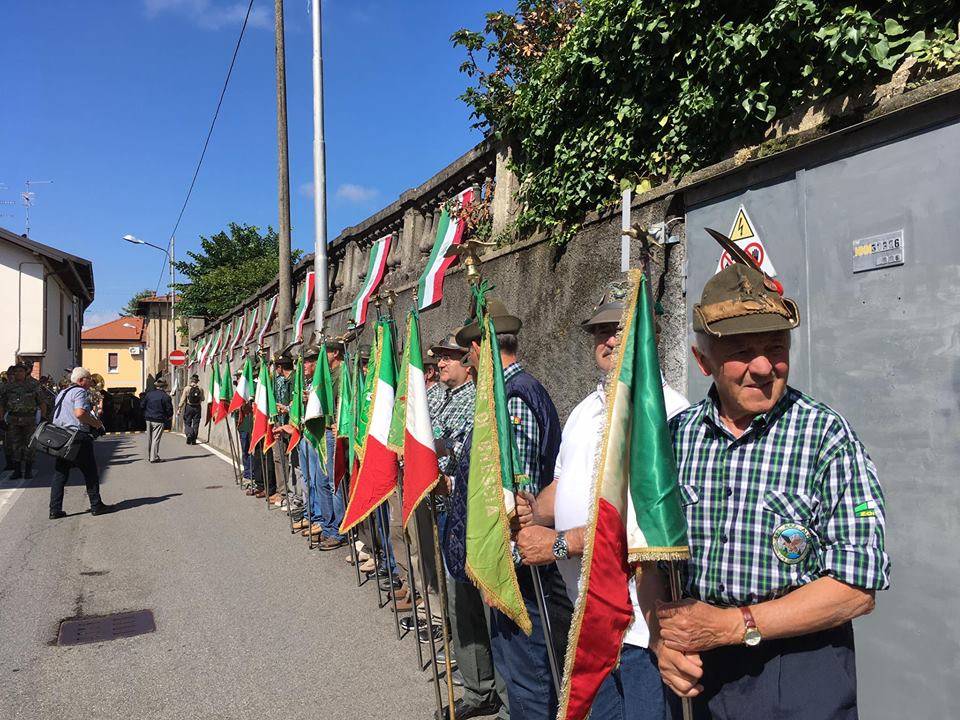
x: 320, y: 302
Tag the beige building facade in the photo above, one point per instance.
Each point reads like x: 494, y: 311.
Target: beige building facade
x: 117, y: 352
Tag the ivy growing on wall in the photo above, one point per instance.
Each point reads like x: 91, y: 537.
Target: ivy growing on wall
x: 596, y: 93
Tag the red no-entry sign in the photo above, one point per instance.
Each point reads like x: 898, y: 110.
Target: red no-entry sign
x: 178, y: 357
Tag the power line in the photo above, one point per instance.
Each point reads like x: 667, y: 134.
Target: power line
x: 206, y: 142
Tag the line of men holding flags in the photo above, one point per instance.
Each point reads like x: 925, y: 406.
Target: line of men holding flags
x: 645, y: 551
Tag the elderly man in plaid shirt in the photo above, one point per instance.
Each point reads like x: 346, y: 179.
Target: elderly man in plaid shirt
x: 786, y: 524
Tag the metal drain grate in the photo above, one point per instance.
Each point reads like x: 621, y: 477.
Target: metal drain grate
x: 106, y: 627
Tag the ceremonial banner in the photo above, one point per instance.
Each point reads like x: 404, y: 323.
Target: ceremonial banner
x: 263, y: 402
x: 226, y: 394
x: 320, y: 407
x: 267, y: 319
x: 303, y: 309
x: 449, y: 233
x: 636, y: 462
x: 398, y: 421
x: 296, y: 406
x: 375, y: 270
x: 237, y: 334
x: 493, y: 475
x: 420, y: 469
x: 244, y: 388
x: 214, y: 392
x: 252, y: 315
x: 204, y: 350
x: 214, y: 346
x: 377, y: 476
x: 343, y: 429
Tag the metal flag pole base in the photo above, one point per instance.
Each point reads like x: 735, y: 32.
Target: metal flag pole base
x: 233, y: 454
x: 675, y: 594
x: 235, y: 433
x: 426, y: 604
x: 442, y: 582
x: 376, y: 561
x: 390, y: 560
x: 547, y: 629
x: 285, y: 468
x: 412, y: 589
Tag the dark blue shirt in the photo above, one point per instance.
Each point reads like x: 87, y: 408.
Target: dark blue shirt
x: 156, y: 406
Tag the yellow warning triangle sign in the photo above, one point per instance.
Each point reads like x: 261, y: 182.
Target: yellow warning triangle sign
x: 742, y: 229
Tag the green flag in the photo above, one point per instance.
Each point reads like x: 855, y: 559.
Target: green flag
x: 320, y: 407
x: 398, y: 422
x: 296, y: 405
x: 654, y: 489
x: 493, y: 476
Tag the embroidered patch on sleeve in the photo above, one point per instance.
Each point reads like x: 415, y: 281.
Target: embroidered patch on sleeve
x: 866, y: 509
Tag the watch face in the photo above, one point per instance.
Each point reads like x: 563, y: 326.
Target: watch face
x: 751, y: 637
x: 560, y: 550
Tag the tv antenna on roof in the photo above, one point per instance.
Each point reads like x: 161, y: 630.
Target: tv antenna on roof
x: 28, y: 197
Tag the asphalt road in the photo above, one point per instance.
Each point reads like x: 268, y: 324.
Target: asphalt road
x: 250, y: 624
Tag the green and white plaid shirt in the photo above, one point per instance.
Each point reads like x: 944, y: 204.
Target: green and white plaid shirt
x: 794, y: 498
x: 526, y: 432
x: 454, y: 421
x: 436, y: 397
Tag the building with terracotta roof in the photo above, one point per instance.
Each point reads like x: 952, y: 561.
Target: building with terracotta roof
x: 116, y: 351
x: 43, y: 293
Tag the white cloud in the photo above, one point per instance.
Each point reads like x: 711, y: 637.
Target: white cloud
x: 92, y: 319
x: 211, y: 15
x: 306, y: 189
x: 354, y: 193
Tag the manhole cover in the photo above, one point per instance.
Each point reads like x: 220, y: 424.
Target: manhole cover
x: 106, y: 627
x: 212, y: 487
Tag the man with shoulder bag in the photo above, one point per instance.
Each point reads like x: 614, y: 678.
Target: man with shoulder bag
x: 191, y: 405
x: 73, y: 411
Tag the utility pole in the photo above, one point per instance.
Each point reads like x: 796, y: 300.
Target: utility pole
x: 321, y: 301
x: 173, y: 290
x: 283, y: 174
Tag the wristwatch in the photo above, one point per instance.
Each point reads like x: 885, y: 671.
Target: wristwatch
x: 751, y: 634
x: 560, y: 549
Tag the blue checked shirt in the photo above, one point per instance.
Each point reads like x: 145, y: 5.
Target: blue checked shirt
x: 436, y: 397
x: 526, y: 432
x: 795, y: 498
x: 453, y: 423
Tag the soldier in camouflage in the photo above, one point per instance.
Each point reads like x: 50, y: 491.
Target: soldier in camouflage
x: 20, y: 398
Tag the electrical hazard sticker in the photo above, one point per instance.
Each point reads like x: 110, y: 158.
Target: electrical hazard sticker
x: 744, y: 233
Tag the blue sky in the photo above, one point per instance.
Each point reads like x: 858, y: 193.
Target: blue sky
x: 111, y: 100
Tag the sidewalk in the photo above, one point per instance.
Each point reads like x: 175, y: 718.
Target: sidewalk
x: 250, y: 624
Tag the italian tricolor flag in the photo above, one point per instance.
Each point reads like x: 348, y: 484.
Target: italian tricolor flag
x: 253, y: 314
x: 244, y: 388
x: 222, y: 408
x: 636, y: 460
x: 378, y: 265
x: 264, y: 408
x: 303, y: 309
x: 449, y: 233
x: 268, y: 315
x: 320, y: 407
x: 411, y: 432
x: 214, y: 392
x: 377, y: 476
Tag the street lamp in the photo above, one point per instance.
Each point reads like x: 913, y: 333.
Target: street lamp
x: 173, y: 278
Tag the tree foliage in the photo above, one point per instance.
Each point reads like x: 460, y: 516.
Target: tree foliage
x: 599, y: 94
x: 228, y: 268
x: 131, y: 309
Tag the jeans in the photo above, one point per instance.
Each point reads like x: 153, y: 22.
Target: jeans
x: 86, y: 463
x: 633, y: 691
x: 331, y: 502
x: 523, y: 660
x: 244, y: 453
x: 191, y: 423
x: 382, y: 521
x: 310, y: 470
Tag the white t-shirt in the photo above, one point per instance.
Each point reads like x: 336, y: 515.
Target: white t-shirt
x: 574, y: 475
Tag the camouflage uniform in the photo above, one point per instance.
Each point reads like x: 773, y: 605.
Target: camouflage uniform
x: 20, y: 402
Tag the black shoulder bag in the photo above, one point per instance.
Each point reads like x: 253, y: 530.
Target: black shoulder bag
x: 60, y: 442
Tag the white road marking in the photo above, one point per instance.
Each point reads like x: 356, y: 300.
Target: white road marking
x: 9, y: 493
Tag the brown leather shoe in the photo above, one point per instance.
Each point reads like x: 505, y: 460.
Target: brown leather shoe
x: 260, y: 494
x: 301, y: 524
x: 316, y: 530
x: 330, y: 543
x: 250, y: 492
x: 276, y: 497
